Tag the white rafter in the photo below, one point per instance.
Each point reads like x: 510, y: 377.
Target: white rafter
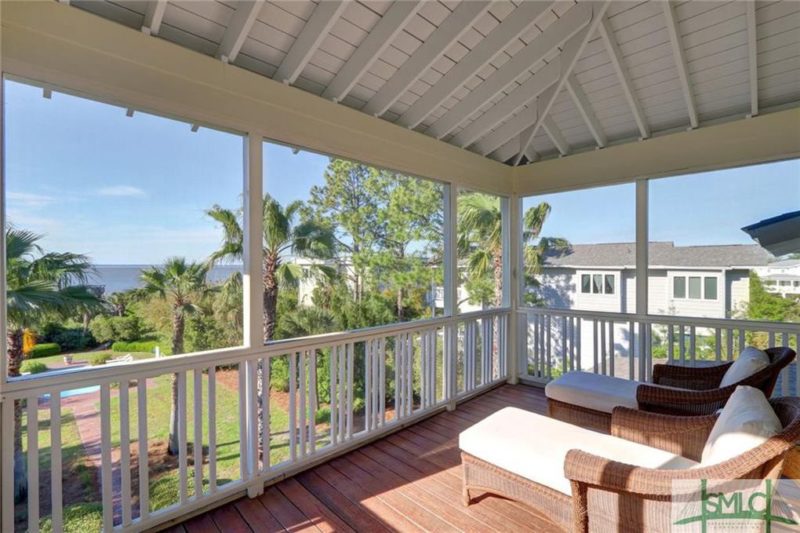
x: 153, y: 15
x: 680, y: 60
x: 450, y: 30
x: 519, y: 123
x: 533, y: 87
x: 516, y: 23
x: 311, y: 36
x: 554, y: 132
x: 585, y: 109
x: 569, y: 57
x: 607, y: 33
x: 508, y: 150
x: 386, y: 29
x: 239, y: 27
x: 550, y: 39
x: 752, y: 55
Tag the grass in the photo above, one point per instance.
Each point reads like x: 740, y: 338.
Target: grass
x: 86, y: 357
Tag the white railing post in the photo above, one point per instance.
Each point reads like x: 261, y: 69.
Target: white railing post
x: 450, y: 350
x: 514, y: 280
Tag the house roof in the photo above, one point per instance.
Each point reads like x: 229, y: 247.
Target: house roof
x: 664, y: 254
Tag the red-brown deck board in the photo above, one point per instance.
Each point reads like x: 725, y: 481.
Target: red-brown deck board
x: 408, y: 481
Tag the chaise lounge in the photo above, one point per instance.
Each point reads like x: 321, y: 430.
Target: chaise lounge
x: 624, y: 481
x: 588, y: 399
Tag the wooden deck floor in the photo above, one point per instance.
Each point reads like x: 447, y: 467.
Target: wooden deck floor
x: 409, y: 481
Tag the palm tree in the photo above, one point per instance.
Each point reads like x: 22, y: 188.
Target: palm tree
x: 40, y: 285
x: 182, y: 285
x: 283, y: 235
x: 480, y: 239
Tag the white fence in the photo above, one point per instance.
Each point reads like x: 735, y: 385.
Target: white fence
x: 627, y: 345
x: 343, y: 389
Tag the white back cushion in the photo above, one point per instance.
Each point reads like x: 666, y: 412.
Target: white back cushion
x: 750, y: 361
x: 746, y: 421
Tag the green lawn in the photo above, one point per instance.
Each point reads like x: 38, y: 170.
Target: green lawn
x: 86, y: 357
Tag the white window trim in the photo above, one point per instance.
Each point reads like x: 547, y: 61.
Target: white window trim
x: 687, y: 274
x: 591, y: 273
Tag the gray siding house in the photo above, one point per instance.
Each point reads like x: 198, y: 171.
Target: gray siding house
x: 702, y: 281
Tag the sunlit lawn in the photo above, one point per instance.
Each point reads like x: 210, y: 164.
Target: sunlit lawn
x: 86, y: 357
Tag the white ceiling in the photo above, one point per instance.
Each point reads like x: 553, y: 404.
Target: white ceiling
x: 515, y: 81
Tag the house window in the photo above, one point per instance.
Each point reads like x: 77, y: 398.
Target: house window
x: 586, y: 284
x: 694, y: 287
x: 609, y: 285
x: 710, y: 288
x: 597, y: 284
x: 699, y: 287
x: 679, y: 287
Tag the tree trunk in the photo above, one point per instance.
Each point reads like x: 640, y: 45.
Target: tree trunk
x: 400, y: 304
x: 270, y: 295
x: 178, y: 326
x: 14, y: 364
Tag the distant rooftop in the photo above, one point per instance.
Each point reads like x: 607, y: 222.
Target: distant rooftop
x: 663, y: 254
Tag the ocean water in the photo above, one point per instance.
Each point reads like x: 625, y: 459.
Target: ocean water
x: 119, y: 278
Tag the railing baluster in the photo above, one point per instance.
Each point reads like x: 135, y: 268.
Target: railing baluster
x: 382, y: 381
x: 244, y: 467
x: 671, y: 343
x: 595, y: 345
x: 611, y: 348
x: 7, y: 435
x: 741, y: 340
x: 603, y: 353
x: 105, y: 457
x: 631, y: 352
x: 578, y: 344
x: 183, y: 459
x: 717, y: 344
x: 786, y: 380
x: 303, y: 384
x: 334, y: 394
x: 730, y: 344
x: 252, y: 416
x: 409, y: 374
x: 197, y: 445
x: 349, y: 387
x: 548, y: 347
x: 342, y: 362
x: 693, y: 343
x: 293, y: 406
x: 56, y: 468
x: 143, y: 455
x: 682, y: 340
x: 125, y: 451
x: 265, y: 418
x: 212, y: 429
x: 564, y: 355
x: 33, y: 463
x: 312, y: 403
x: 771, y: 338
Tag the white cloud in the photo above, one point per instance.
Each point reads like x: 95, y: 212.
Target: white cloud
x: 26, y: 200
x: 127, y: 191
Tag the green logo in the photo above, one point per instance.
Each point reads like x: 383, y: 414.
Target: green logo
x: 747, y: 503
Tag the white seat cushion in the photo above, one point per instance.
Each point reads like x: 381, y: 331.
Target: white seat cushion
x: 535, y: 447
x: 750, y: 361
x: 601, y: 393
x: 746, y: 421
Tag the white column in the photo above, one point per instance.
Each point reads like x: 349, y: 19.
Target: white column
x: 513, y: 282
x: 253, y: 248
x: 642, y: 273
x: 450, y: 288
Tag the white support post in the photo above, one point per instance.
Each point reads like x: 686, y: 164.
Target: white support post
x: 3, y: 322
x: 451, y: 290
x: 514, y: 285
x: 642, y: 261
x: 253, y: 249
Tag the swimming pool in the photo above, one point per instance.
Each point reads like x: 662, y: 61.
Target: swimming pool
x: 77, y: 392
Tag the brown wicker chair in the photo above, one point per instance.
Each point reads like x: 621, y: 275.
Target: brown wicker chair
x: 613, y: 496
x: 680, y: 390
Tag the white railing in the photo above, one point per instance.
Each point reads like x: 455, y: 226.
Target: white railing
x: 627, y: 345
x: 341, y: 390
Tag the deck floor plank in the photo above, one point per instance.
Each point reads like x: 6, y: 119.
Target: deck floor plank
x: 407, y: 481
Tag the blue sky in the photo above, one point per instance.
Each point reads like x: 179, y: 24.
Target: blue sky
x: 133, y: 190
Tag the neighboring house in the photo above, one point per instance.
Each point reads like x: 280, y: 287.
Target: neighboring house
x: 781, y: 277
x: 702, y: 281
x: 695, y: 281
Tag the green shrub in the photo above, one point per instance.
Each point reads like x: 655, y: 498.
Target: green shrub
x: 139, y: 346
x: 279, y: 374
x: 78, y: 518
x: 44, y: 350
x: 34, y: 367
x: 100, y: 359
x: 74, y: 339
x: 117, y: 328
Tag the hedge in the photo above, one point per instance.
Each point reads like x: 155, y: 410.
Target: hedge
x: 34, y: 367
x: 139, y: 346
x: 44, y: 350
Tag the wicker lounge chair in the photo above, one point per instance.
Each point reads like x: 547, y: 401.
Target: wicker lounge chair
x: 596, y: 488
x: 587, y: 399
